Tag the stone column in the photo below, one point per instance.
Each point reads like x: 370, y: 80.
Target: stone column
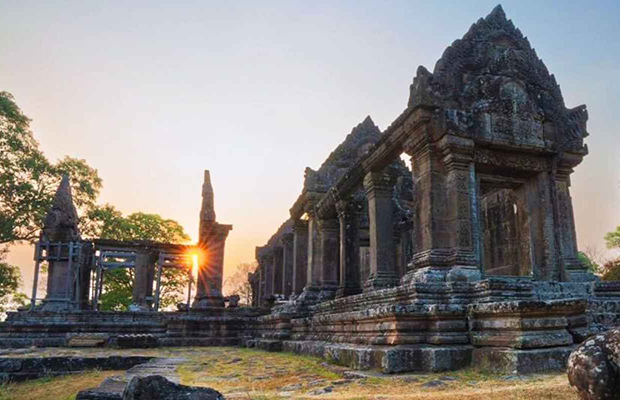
x: 329, y: 257
x: 266, y: 261
x: 144, y: 261
x: 446, y: 241
x: 261, y: 285
x: 462, y: 201
x: 300, y: 255
x: 564, y: 227
x: 348, y: 217
x: 379, y: 187
x: 313, y: 280
x: 287, y: 264
x: 278, y: 273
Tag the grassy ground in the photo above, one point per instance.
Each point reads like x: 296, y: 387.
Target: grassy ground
x: 58, y: 388
x: 253, y: 374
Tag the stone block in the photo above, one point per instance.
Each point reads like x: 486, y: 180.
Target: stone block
x: 387, y: 359
x: 514, y: 361
x: 87, y: 339
x: 524, y: 324
x: 137, y: 341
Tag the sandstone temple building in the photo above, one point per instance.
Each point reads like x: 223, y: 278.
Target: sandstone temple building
x: 464, y: 255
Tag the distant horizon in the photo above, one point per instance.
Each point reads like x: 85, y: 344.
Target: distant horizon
x: 152, y: 94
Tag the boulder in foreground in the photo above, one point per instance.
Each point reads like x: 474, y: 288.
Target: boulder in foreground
x: 156, y: 387
x: 594, y: 367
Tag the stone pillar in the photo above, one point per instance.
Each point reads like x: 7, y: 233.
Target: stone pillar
x: 287, y: 264
x: 211, y: 241
x: 462, y: 201
x: 261, y: 284
x: 144, y: 262
x: 379, y: 187
x: 446, y: 241
x: 329, y: 257
x: 566, y: 234
x: 348, y: 217
x: 60, y: 226
x: 278, y: 273
x: 313, y: 281
x: 266, y: 263
x: 300, y: 255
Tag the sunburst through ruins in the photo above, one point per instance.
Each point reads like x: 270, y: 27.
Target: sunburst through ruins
x: 467, y: 258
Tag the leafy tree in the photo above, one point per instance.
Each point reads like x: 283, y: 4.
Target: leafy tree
x: 239, y: 283
x: 612, y: 239
x: 28, y: 180
x: 10, y: 281
x: 108, y: 223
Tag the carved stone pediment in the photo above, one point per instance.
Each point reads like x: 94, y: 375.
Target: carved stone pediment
x: 493, y: 87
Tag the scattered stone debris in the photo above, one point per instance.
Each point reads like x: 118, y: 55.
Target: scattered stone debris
x: 322, y: 391
x: 434, y: 384
x: 292, y: 387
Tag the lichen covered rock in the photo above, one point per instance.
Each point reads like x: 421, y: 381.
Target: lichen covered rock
x: 594, y: 367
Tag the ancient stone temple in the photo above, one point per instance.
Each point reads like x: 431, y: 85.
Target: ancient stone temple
x: 474, y: 260
x: 465, y: 255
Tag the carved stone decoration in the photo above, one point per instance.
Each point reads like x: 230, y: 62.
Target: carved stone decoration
x: 494, y: 87
x: 61, y: 221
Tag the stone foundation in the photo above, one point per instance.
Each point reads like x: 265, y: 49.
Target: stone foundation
x: 387, y: 359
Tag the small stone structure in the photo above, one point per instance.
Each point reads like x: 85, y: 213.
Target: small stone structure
x: 69, y: 314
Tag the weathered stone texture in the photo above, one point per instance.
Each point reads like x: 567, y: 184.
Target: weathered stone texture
x: 156, y: 387
x: 594, y: 367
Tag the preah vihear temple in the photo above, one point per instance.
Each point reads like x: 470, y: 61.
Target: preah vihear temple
x: 465, y: 255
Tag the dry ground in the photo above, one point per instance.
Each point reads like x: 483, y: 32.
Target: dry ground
x: 59, y: 388
x: 253, y: 374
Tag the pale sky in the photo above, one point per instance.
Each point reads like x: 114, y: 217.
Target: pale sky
x: 152, y: 93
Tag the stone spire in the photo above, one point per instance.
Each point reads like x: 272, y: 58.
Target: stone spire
x: 61, y: 221
x: 207, y: 212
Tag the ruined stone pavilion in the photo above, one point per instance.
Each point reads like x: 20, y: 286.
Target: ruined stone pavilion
x: 466, y: 257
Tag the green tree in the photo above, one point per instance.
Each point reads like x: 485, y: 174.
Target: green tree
x: 108, y: 223
x: 28, y: 180
x: 10, y: 281
x: 612, y: 239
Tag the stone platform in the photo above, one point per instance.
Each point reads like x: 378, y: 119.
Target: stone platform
x: 216, y: 327
x: 508, y: 325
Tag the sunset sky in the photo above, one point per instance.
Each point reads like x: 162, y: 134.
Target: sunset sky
x: 152, y: 93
